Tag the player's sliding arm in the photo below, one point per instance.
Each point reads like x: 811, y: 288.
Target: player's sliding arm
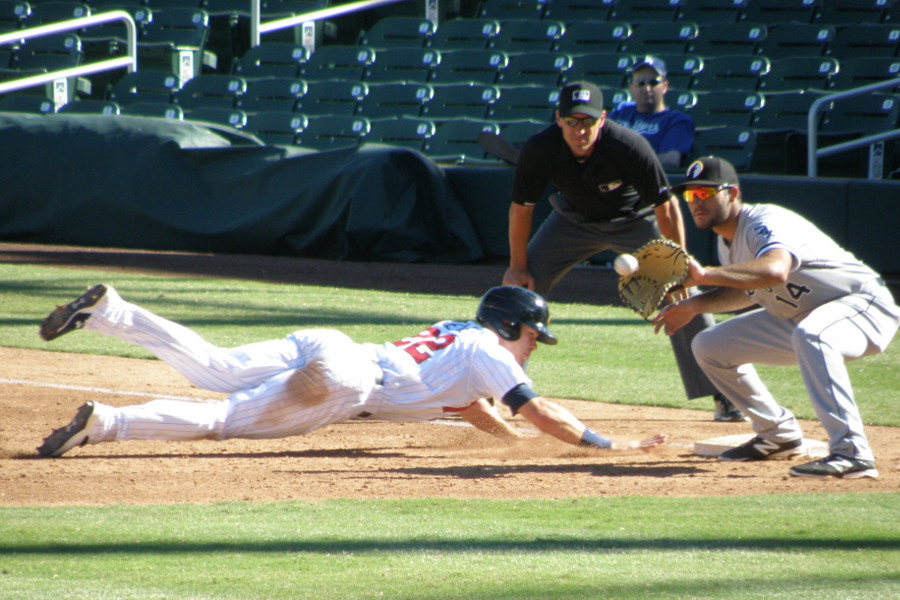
x: 555, y: 420
x: 482, y: 415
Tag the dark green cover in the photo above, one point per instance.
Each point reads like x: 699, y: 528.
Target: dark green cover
x: 115, y: 181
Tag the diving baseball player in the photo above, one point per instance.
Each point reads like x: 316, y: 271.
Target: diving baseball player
x: 817, y: 307
x: 316, y: 377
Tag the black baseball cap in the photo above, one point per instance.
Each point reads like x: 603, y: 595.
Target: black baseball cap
x: 708, y: 170
x: 581, y: 98
x: 653, y: 62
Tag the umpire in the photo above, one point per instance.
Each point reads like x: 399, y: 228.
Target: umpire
x: 613, y: 194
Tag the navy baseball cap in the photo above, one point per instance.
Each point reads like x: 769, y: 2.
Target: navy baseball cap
x: 709, y: 170
x: 654, y: 63
x: 581, y: 98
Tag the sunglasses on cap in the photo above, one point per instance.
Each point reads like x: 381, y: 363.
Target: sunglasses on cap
x: 586, y: 122
x: 701, y: 194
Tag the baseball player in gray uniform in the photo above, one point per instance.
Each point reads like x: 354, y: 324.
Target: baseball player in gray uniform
x: 316, y: 377
x: 817, y: 307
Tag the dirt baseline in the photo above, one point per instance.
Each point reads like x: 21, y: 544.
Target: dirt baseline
x: 40, y: 390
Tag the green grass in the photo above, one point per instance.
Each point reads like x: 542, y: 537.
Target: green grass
x: 770, y: 547
x: 841, y: 546
x: 605, y: 353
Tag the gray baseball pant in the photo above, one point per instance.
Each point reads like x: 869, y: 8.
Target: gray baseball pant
x: 845, y: 329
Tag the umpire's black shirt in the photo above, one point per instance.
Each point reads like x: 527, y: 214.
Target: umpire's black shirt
x: 621, y: 177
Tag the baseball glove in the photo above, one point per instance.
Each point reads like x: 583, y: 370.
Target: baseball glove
x: 663, y: 264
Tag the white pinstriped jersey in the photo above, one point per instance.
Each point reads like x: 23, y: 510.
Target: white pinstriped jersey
x: 822, y: 270
x: 444, y: 369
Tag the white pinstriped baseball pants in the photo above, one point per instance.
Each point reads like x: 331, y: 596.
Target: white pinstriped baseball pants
x: 277, y: 388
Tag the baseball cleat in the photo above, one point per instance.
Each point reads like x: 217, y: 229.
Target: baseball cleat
x: 71, y: 316
x: 726, y: 412
x: 835, y: 465
x: 760, y: 449
x: 74, y: 434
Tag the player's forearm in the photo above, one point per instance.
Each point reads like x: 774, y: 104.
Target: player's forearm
x: 552, y: 419
x: 671, y: 225
x: 769, y: 270
x: 718, y: 300
x: 519, y: 232
x: 485, y: 417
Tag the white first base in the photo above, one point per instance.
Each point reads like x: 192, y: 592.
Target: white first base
x: 716, y: 446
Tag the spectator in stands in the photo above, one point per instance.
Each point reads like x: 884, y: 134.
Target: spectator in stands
x: 613, y: 195
x: 670, y: 132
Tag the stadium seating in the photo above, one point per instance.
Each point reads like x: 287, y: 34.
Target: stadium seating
x: 276, y: 126
x: 535, y: 68
x: 797, y: 39
x: 329, y: 132
x: 335, y: 97
x: 456, y: 141
x: 525, y: 102
x: 469, y: 34
x: 219, y: 91
x: 220, y: 115
x: 642, y: 11
x: 528, y: 35
x: 857, y: 72
x: 351, y: 63
x: 398, y: 32
x: 659, y: 37
x: 144, y: 86
x: 713, y: 11
x: 718, y: 39
x: 572, y: 11
x: 468, y: 65
x: 732, y: 108
x: 395, y: 99
x: 411, y: 65
x: 861, y: 40
x: 734, y: 144
x: 775, y: 12
x: 461, y: 100
x: 273, y: 94
x: 271, y: 60
x: 406, y: 132
x: 90, y: 107
x: 800, y: 73
x: 603, y: 69
x: 13, y: 15
x: 591, y: 37
x: 157, y: 110
x: 504, y: 10
x: 731, y: 72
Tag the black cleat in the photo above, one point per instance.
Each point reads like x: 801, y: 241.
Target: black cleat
x: 835, y: 465
x: 760, y: 449
x: 74, y: 434
x: 726, y: 412
x: 71, y: 316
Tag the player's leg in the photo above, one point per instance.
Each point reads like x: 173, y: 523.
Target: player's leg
x: 727, y: 351
x: 334, y: 385
x: 843, y: 330
x: 205, y: 365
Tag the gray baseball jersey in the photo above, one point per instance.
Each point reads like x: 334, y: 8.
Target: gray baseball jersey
x: 822, y: 270
x: 307, y: 380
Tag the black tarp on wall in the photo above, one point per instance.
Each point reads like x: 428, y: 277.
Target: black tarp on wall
x: 142, y: 183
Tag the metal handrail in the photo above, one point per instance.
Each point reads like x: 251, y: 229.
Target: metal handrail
x: 129, y: 61
x: 257, y: 27
x: 812, y: 150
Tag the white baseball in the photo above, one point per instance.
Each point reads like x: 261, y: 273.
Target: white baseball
x: 626, y: 264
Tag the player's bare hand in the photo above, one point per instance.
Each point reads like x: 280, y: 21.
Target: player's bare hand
x: 672, y: 318
x: 647, y: 444
x: 696, y: 274
x: 518, y: 278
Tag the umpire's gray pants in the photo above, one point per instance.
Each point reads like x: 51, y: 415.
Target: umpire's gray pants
x: 567, y: 239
